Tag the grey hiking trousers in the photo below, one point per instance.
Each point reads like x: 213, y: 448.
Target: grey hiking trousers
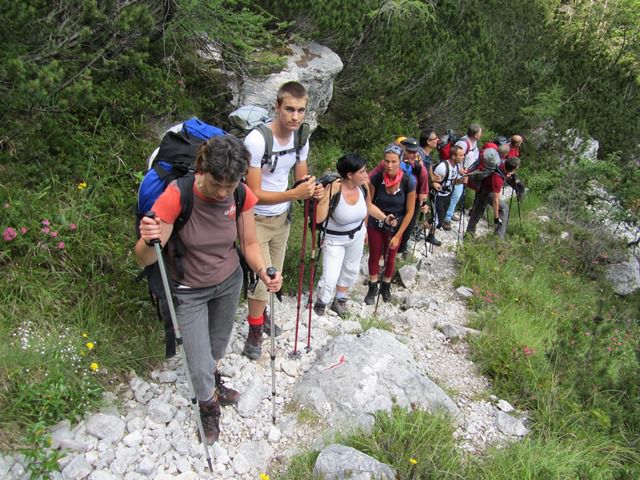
x: 205, y: 318
x: 480, y: 203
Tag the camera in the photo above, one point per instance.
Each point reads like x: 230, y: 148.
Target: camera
x: 328, y: 178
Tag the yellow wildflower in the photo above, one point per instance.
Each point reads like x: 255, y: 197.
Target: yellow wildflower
x: 94, y: 366
x: 82, y: 185
x: 90, y: 345
x: 85, y: 335
x: 413, y: 461
x: 264, y: 476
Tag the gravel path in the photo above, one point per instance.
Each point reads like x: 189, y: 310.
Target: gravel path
x: 148, y: 431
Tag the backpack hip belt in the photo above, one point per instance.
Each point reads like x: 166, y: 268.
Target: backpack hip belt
x: 351, y: 233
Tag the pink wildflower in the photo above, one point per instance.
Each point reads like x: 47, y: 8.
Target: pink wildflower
x: 45, y: 230
x: 54, y: 234
x: 23, y: 230
x: 73, y: 227
x: 45, y: 222
x: 9, y: 234
x: 61, y: 245
x: 528, y: 351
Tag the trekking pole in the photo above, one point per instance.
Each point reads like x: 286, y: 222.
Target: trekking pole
x: 509, y: 212
x: 183, y: 355
x: 432, y: 229
x: 416, y: 235
x: 312, y: 268
x: 519, y: 215
x: 303, y: 248
x: 271, y: 271
x: 384, y: 266
x: 461, y: 218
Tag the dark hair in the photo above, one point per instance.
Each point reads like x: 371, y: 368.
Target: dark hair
x: 225, y: 157
x: 473, y: 129
x: 454, y: 149
x: 511, y: 164
x: 350, y: 163
x: 295, y: 89
x: 424, y: 136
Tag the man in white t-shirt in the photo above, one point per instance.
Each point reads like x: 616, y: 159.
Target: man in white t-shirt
x: 448, y: 171
x: 469, y: 143
x: 269, y: 181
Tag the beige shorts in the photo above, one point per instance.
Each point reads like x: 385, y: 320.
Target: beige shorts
x: 272, y: 233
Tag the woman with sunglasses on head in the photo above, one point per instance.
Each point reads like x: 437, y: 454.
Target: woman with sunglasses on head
x: 393, y: 192
x: 342, y: 211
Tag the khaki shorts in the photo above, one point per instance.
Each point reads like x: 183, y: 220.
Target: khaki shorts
x: 272, y: 233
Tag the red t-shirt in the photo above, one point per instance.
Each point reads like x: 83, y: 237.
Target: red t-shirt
x: 514, y: 152
x: 494, y: 182
x: 208, y: 236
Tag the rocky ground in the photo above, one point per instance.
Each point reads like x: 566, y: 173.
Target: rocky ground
x: 148, y: 428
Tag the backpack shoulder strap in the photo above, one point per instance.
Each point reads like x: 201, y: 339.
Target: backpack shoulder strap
x: 267, y: 134
x: 333, y: 203
x: 239, y: 196
x: 185, y: 186
x: 405, y: 183
x: 300, y: 138
x: 364, y: 192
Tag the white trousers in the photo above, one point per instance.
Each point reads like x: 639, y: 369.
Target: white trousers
x: 340, y: 263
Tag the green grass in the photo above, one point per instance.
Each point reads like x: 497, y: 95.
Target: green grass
x: 418, y: 445
x: 557, y: 343
x: 68, y: 281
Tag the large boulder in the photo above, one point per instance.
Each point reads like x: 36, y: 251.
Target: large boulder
x: 338, y: 462
x: 578, y: 147
x: 357, y: 375
x: 313, y: 65
x: 624, y: 276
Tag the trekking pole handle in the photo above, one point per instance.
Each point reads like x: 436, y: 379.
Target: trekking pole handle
x: 271, y: 271
x: 151, y: 214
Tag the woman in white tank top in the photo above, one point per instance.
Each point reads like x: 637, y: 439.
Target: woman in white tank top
x: 342, y: 211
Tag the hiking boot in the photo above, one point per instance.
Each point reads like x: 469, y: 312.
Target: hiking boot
x: 385, y: 291
x: 431, y: 238
x: 446, y: 225
x: 456, y: 217
x: 210, y: 416
x: 372, y: 293
x: 319, y: 308
x: 226, y: 395
x: 339, y: 305
x: 266, y: 328
x: 253, y: 344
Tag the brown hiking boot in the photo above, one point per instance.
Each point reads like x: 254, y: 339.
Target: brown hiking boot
x: 210, y: 416
x: 339, y: 305
x: 226, y: 396
x: 253, y: 344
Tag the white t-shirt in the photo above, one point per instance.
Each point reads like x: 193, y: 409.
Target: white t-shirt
x: 447, y: 183
x: 276, y: 181
x: 473, y: 154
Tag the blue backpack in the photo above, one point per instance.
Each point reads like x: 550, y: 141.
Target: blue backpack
x: 173, y: 159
